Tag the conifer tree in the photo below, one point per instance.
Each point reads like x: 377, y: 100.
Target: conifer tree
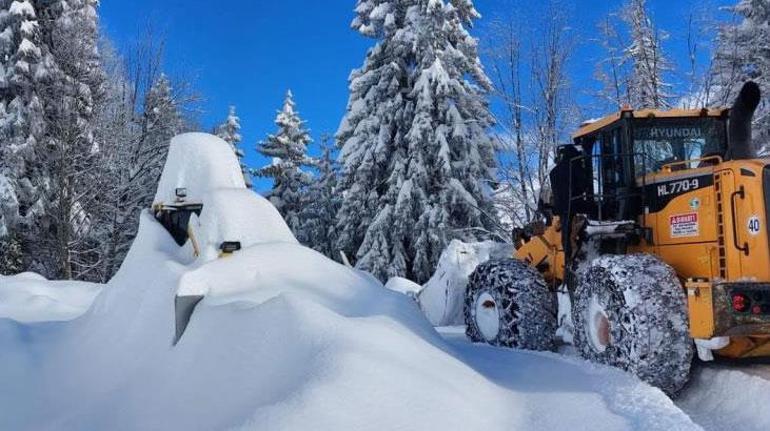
x: 287, y: 150
x: 22, y: 181
x: 230, y: 132
x: 416, y: 157
x: 321, y: 204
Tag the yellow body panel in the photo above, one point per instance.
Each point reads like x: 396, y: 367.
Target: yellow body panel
x: 700, y: 306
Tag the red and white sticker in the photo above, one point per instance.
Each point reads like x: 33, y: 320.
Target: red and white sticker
x: 684, y: 225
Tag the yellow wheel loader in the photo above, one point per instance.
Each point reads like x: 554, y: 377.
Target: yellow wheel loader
x: 657, y: 227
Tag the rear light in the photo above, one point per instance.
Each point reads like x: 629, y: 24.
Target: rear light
x: 741, y: 303
x: 757, y: 309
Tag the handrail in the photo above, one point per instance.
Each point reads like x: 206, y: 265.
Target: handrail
x: 745, y: 247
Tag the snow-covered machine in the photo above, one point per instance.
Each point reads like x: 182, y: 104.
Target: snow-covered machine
x: 203, y: 203
x: 658, y: 227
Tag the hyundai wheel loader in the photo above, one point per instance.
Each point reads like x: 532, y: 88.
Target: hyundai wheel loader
x: 657, y: 226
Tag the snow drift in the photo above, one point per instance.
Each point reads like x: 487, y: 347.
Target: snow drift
x: 284, y: 339
x: 30, y: 298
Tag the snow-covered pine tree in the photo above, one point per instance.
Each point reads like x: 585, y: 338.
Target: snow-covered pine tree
x: 321, y: 202
x: 414, y: 146
x: 22, y: 177
x: 230, y: 132
x: 743, y: 54
x: 648, y: 86
x: 287, y: 150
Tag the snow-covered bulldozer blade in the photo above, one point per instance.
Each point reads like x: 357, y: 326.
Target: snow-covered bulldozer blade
x: 184, y: 307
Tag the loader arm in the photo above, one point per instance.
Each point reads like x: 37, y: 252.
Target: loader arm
x: 541, y: 247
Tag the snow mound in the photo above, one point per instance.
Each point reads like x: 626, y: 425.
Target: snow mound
x: 198, y: 162
x: 238, y: 215
x: 443, y: 295
x: 30, y: 298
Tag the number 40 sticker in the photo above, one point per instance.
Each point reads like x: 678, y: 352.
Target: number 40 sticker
x: 755, y: 227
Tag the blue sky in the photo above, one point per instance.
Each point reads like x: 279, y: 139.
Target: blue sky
x: 249, y: 52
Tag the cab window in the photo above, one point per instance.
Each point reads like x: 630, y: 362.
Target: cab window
x: 658, y: 142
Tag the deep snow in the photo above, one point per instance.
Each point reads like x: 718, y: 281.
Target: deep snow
x: 30, y: 298
x: 285, y: 339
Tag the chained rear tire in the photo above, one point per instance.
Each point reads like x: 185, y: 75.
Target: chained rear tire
x: 508, y: 303
x: 631, y: 312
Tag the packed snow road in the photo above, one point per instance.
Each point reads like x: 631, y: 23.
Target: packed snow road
x: 719, y: 396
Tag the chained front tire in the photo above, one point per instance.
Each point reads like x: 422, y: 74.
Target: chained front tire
x: 508, y: 303
x: 631, y: 312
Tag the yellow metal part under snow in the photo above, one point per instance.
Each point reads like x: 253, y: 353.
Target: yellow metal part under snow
x: 746, y: 347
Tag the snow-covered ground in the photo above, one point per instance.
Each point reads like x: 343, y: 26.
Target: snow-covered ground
x: 30, y: 298
x: 287, y: 339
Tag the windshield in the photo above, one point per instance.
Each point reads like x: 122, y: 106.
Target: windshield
x: 658, y: 142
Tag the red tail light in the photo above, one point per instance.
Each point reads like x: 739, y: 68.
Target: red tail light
x: 741, y: 303
x: 757, y: 309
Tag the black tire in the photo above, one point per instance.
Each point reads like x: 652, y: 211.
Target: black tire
x: 631, y: 312
x: 524, y: 307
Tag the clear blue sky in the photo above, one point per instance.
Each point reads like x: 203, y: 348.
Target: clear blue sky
x: 249, y: 52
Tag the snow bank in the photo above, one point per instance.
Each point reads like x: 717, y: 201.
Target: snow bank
x: 30, y: 298
x: 443, y: 295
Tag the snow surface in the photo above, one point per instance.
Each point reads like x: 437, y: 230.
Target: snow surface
x: 286, y: 339
x: 443, y: 295
x: 729, y: 397
x: 30, y: 298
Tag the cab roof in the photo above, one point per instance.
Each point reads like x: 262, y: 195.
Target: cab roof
x: 592, y: 126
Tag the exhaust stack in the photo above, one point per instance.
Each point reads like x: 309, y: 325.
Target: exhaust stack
x: 741, y: 146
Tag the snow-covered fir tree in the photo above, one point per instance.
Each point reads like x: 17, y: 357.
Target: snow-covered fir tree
x: 22, y: 178
x: 230, y: 132
x: 414, y: 146
x: 287, y: 151
x: 321, y: 202
x: 743, y: 54
x: 51, y: 76
x: 648, y: 86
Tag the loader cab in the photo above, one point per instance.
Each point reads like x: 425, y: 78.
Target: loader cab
x: 625, y: 151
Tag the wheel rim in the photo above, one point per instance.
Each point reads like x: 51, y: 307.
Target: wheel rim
x: 597, y: 326
x: 487, y: 316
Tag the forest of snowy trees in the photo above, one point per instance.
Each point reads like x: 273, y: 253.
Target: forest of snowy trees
x: 449, y: 133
